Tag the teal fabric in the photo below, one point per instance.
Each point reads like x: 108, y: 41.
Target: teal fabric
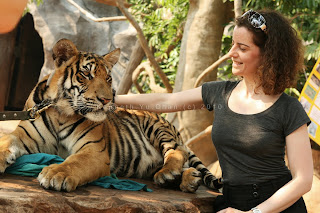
x: 32, y: 165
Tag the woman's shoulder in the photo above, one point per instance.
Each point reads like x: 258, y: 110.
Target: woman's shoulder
x: 216, y: 91
x: 293, y: 113
x: 227, y: 85
x: 289, y: 100
x: 290, y: 104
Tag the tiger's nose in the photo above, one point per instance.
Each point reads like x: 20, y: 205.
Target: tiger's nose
x: 104, y: 101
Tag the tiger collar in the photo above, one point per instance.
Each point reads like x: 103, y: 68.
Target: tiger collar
x: 31, y: 114
x: 34, y: 112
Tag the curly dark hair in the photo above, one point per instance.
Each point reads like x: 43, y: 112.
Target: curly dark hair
x: 281, y: 52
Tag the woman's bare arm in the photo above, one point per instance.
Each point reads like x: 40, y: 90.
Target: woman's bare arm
x: 162, y: 102
x: 301, y: 167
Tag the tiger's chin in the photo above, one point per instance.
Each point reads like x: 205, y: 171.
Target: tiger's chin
x: 97, y: 116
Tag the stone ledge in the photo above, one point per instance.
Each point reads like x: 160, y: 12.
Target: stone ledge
x: 24, y: 194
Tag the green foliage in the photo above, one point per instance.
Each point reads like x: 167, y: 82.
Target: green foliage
x: 225, y: 70
x: 292, y: 92
x: 162, y: 22
x: 38, y: 2
x: 169, y: 65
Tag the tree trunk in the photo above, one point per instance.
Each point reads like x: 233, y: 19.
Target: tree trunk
x: 135, y: 59
x: 7, y: 45
x: 201, y: 44
x: 237, y: 8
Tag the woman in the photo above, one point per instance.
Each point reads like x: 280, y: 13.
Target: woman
x: 256, y: 121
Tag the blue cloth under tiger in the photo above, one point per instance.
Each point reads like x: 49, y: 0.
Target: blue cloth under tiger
x: 32, y: 165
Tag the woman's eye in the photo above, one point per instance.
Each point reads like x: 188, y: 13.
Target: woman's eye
x: 242, y: 49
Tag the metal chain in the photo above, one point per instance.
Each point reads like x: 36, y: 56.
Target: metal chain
x: 39, y: 108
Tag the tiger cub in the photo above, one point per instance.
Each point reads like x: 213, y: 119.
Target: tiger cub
x: 84, y: 126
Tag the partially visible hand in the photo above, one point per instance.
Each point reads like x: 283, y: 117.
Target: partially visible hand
x: 231, y: 210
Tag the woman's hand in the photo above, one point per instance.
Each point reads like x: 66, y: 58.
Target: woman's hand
x: 232, y: 210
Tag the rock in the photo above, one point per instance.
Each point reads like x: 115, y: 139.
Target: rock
x: 24, y: 194
x: 57, y: 19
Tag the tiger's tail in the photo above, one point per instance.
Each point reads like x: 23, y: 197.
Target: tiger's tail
x: 208, y: 178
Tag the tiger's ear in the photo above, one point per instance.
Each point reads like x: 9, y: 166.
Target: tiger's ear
x: 63, y: 50
x: 112, y: 57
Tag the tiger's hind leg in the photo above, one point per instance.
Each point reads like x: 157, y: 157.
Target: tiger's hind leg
x: 191, y: 177
x: 168, y: 141
x: 174, y: 160
x: 191, y: 180
x: 176, y: 156
x: 172, y: 171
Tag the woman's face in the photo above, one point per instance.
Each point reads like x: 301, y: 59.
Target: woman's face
x: 244, y: 53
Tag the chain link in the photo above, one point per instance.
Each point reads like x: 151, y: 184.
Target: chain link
x: 37, y: 109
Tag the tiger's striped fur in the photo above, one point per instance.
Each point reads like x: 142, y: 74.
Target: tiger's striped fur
x: 94, y: 136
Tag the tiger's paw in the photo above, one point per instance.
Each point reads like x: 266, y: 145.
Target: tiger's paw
x: 191, y: 180
x: 7, y: 157
x: 166, y: 176
x: 58, y: 178
x: 8, y: 152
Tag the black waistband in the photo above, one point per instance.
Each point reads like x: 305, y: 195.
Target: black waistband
x: 245, y: 197
x: 272, y: 184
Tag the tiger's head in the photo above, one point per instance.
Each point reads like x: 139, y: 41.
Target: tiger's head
x: 81, y: 83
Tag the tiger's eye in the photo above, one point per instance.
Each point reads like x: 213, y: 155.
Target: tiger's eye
x: 80, y: 78
x: 85, y: 69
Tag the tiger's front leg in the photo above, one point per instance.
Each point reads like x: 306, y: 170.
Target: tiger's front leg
x: 87, y: 165
x: 10, y: 150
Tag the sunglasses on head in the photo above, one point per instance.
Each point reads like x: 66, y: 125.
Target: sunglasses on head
x: 256, y: 20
